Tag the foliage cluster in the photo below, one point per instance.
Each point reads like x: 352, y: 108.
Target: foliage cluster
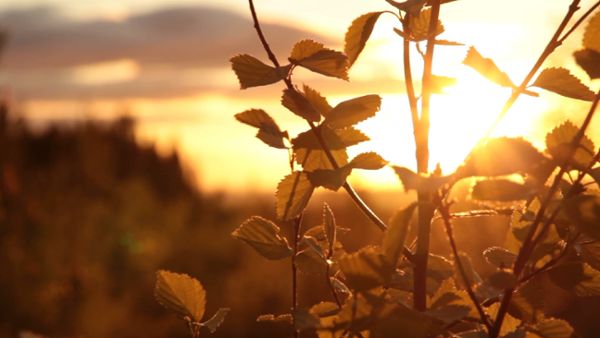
x: 398, y: 288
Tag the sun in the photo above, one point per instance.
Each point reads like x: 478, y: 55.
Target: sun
x: 459, y: 119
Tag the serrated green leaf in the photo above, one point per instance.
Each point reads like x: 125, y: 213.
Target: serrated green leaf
x: 263, y: 236
x: 330, y: 228
x: 503, y: 190
x: 299, y: 105
x: 402, y: 319
x: 499, y: 257
x: 553, y: 328
x: 215, y: 321
x: 304, y: 320
x: 268, y: 130
x: 352, y: 111
x: 324, y: 309
x: 357, y: 35
x: 312, y: 159
x: 584, y: 212
x: 334, y: 139
x: 395, y: 235
x: 576, y: 277
x: 315, y: 57
x: 365, y: 269
x: 419, y: 25
x: 559, y: 145
x: 413, y: 181
x: 562, y: 82
x: 332, y: 179
x: 283, y: 318
x: 293, y: 193
x: 181, y: 294
x: 590, y: 253
x: 510, y: 323
x: 502, y: 156
x: 591, y: 36
x: 439, y: 267
x: 311, y: 262
x: 589, y: 60
x: 368, y: 161
x: 318, y: 102
x: 487, y: 68
x: 502, y: 279
x: 251, y: 72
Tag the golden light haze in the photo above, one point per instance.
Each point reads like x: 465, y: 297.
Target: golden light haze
x: 225, y: 155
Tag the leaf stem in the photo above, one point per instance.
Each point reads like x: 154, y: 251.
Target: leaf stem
x: 527, y: 248
x: 297, y: 228
x: 554, y: 43
x: 445, y: 212
x: 422, y: 152
x: 288, y: 82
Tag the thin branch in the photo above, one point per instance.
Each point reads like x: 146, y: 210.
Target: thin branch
x: 408, y: 79
x: 527, y: 247
x: 550, y: 47
x: 355, y: 197
x: 422, y: 153
x: 297, y: 228
x: 445, y: 213
x: 579, y: 22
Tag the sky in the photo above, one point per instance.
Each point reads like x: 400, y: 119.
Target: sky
x: 166, y: 64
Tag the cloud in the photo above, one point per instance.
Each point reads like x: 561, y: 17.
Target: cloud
x: 177, y: 52
x: 180, y: 37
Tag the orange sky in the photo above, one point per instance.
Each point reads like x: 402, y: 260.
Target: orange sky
x: 184, y: 95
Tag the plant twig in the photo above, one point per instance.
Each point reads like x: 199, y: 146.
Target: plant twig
x: 296, y: 239
x: 579, y: 22
x: 422, y: 154
x: 550, y: 47
x: 408, y: 79
x: 445, y: 213
x: 355, y: 197
x: 527, y: 247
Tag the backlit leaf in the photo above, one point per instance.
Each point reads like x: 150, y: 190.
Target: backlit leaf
x: 357, y: 35
x: 332, y: 179
x: 395, y: 235
x: 584, y: 212
x: 502, y: 279
x: 304, y: 320
x: 263, y: 236
x: 439, y: 267
x: 312, y: 160
x: 562, y: 82
x: 369, y: 161
x: 500, y: 190
x: 402, y: 321
x: 576, y: 277
x: 589, y: 60
x: 553, y: 328
x: 502, y: 156
x: 330, y: 227
x: 350, y: 112
x: 299, y: 105
x: 314, y: 56
x: 334, y: 139
x: 365, y: 269
x: 487, y: 68
x: 559, y: 145
x: 318, y: 102
x: 591, y: 36
x: 293, y: 193
x: 413, y: 6
x: 590, y: 253
x: 268, y: 130
x: 215, y: 321
x: 499, y: 257
x: 413, y: 181
x: 251, y: 72
x: 181, y: 294
x: 509, y: 324
x: 311, y: 262
x: 419, y: 25
x: 284, y: 318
